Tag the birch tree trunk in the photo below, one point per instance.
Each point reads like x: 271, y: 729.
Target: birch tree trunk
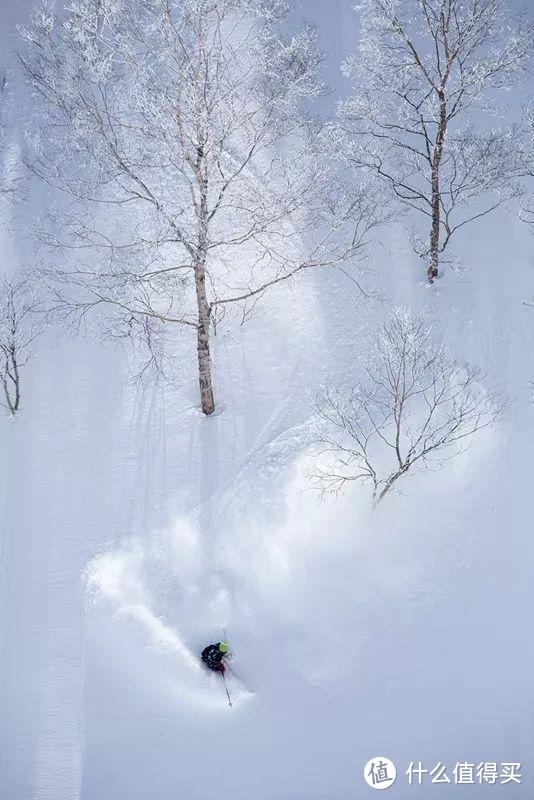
x: 11, y: 381
x: 207, y: 401
x: 16, y: 381
x: 433, y: 267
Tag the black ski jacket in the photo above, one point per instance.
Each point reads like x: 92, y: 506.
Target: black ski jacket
x: 212, y: 657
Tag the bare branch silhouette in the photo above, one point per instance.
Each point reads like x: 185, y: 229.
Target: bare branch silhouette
x: 416, y: 408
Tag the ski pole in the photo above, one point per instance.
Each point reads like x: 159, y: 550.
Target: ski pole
x: 226, y: 687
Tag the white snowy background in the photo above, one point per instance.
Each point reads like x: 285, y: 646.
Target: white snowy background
x: 133, y: 530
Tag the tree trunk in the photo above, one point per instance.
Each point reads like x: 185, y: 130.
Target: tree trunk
x: 7, y: 396
x: 11, y: 381
x: 433, y: 266
x: 389, y: 484
x: 16, y: 381
x: 387, y: 488
x: 207, y: 401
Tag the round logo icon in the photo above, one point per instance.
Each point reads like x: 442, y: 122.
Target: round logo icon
x: 380, y: 772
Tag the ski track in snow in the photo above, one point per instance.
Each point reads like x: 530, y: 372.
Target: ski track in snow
x: 157, y: 551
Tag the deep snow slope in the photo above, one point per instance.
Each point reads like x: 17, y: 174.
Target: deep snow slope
x: 133, y: 531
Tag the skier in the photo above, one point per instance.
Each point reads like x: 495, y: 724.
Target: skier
x: 213, y: 656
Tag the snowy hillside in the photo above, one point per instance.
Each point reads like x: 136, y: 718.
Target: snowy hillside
x: 134, y: 530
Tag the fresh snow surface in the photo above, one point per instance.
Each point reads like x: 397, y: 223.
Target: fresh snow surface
x: 133, y: 531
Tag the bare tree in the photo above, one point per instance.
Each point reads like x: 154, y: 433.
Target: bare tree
x: 20, y: 325
x: 424, y: 72
x: 416, y: 407
x: 192, y: 175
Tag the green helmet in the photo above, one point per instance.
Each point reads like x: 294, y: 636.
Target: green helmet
x: 223, y: 647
